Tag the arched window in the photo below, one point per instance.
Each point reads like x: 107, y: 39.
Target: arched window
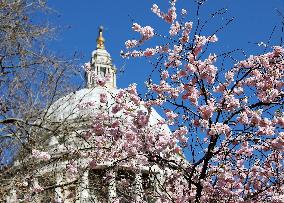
x: 103, y: 71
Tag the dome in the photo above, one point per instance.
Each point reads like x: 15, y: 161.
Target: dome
x: 85, y: 103
x: 80, y: 104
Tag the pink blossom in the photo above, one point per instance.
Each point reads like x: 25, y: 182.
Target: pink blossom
x: 115, y: 124
x: 147, y: 32
x: 72, y: 168
x: 186, y: 31
x: 132, y: 89
x: 278, y: 143
x: 171, y: 114
x: 131, y: 43
x: 255, y: 118
x: 101, y: 81
x: 142, y: 118
x: 280, y: 121
x: 181, y: 74
x: 136, y: 53
x: 180, y: 133
x: 174, y: 57
x: 243, y: 118
x: 116, y: 108
x: 277, y: 50
x: 170, y: 17
x: 238, y: 90
x: 244, y: 144
x: 98, y: 128
x: 45, y: 156
x: 165, y: 74
x: 185, y: 37
x: 231, y: 103
x: 220, y: 88
x: 37, y: 188
x: 196, y: 123
x: 130, y: 136
x: 265, y: 122
x: 267, y: 130
x: 220, y: 128
x: 136, y: 27
x: 229, y: 76
x: 200, y: 40
x: 87, y: 135
x: 190, y: 67
x: 188, y: 25
x: 203, y: 123
x: 206, y: 111
x: 175, y: 28
x: 192, y: 94
x: 213, y: 38
x: 93, y: 164
x: 149, y: 52
x: 155, y: 9
x: 206, y: 71
x: 212, y: 58
x: 103, y: 98
x: 177, y: 150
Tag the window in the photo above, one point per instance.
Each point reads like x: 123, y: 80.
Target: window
x: 125, y: 185
x: 148, y: 187
x: 98, y: 185
x: 103, y: 71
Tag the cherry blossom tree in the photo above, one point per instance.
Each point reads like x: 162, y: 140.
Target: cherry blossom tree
x: 228, y: 121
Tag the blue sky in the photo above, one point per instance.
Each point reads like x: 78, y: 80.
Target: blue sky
x: 79, y: 22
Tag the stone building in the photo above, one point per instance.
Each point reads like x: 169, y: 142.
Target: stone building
x: 104, y: 182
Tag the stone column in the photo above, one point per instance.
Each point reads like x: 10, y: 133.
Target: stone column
x: 58, y: 190
x: 114, y: 78
x: 83, y: 189
x: 112, y: 186
x: 138, y: 188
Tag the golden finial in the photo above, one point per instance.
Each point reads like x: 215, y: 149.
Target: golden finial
x: 101, y: 40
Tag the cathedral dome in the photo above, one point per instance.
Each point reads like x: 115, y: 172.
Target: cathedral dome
x: 85, y: 103
x: 80, y: 110
x: 80, y: 104
x: 100, y: 74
